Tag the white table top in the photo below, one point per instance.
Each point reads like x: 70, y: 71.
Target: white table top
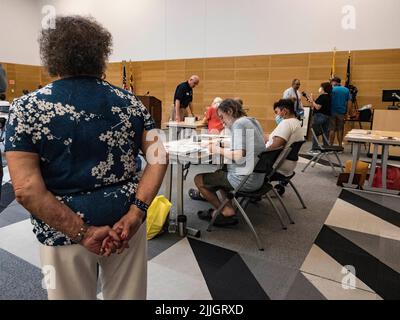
x: 377, y: 137
x: 196, y: 125
x: 189, y: 151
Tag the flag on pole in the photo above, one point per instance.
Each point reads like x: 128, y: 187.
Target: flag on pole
x: 333, y: 69
x: 124, y: 86
x: 348, y: 79
x: 131, y: 77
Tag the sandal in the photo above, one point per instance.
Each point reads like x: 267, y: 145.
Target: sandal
x: 195, y: 194
x: 223, y: 221
x: 220, y: 221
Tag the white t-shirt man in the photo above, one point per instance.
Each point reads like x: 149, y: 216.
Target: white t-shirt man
x: 289, y: 130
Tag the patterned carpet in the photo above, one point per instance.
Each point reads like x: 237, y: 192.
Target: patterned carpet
x: 352, y: 255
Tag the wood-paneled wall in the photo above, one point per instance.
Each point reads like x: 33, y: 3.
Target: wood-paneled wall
x: 23, y: 76
x: 258, y: 80
x: 261, y: 80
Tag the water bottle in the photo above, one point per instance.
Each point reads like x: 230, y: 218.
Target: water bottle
x: 172, y: 223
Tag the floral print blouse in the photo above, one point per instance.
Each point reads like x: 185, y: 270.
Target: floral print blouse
x: 87, y: 134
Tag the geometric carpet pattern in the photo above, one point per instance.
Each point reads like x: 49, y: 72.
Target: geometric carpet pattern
x: 356, y: 254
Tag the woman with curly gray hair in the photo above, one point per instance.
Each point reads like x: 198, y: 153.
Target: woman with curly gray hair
x: 70, y: 149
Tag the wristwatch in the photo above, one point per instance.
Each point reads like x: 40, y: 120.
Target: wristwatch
x: 81, y: 234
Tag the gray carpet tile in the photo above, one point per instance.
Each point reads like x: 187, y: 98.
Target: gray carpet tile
x: 275, y: 279
x: 19, y: 280
x: 288, y: 248
x: 385, y: 201
x: 12, y: 214
x: 275, y: 269
x: 302, y: 289
x: 161, y: 243
x: 386, y: 250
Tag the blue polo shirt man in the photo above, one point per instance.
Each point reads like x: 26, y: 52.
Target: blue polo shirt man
x: 339, y: 107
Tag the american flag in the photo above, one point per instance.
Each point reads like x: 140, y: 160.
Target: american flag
x: 131, y: 77
x: 124, y: 85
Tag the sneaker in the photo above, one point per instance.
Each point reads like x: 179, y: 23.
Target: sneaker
x: 195, y: 194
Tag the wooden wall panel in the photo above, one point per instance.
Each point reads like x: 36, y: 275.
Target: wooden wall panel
x: 377, y: 72
x: 24, y: 77
x: 114, y: 74
x: 288, y: 74
x: 219, y: 63
x: 175, y: 65
x: 377, y: 57
x: 219, y: 75
x: 194, y: 64
x: 289, y: 60
x: 261, y: 80
x: 326, y: 58
x: 258, y: 80
x: 218, y: 87
x: 252, y: 62
x: 252, y: 74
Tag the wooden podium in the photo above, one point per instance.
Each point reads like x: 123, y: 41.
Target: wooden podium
x: 155, y: 108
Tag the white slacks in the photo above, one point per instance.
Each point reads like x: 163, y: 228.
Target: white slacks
x: 71, y: 271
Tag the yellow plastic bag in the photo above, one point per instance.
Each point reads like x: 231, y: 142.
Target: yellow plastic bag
x: 156, y: 216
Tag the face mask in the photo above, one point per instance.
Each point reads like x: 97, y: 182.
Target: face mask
x: 321, y: 90
x: 278, y: 120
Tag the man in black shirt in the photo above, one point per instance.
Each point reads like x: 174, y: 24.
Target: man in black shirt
x: 321, y: 114
x: 183, y: 99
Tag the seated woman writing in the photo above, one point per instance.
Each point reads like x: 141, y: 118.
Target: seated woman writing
x: 247, y: 143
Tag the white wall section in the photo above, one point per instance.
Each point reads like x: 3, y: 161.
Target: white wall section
x: 174, y: 29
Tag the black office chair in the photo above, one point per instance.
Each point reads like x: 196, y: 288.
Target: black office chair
x: 266, y: 164
x: 285, y: 180
x: 325, y: 150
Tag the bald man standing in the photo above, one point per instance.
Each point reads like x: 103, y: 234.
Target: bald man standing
x: 183, y: 99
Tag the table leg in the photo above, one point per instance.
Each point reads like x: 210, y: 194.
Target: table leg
x: 356, y: 156
x: 179, y: 198
x: 173, y: 133
x: 179, y: 194
x: 384, y: 163
x: 168, y: 182
x: 373, y: 166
